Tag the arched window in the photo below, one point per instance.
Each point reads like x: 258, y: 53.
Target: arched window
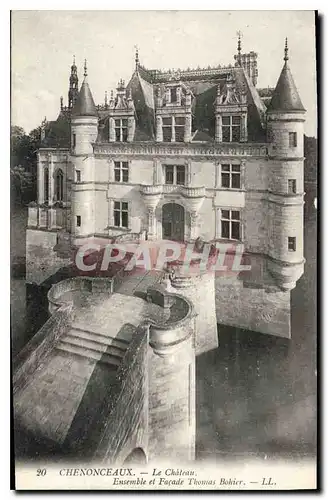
x: 46, y: 184
x: 59, y: 185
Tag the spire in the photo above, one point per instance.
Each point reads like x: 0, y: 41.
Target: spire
x: 239, y: 47
x: 85, y: 68
x: 73, y: 85
x: 286, y: 50
x: 85, y: 105
x: 137, y: 57
x: 285, y: 97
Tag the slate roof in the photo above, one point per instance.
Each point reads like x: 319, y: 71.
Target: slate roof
x: 84, y: 105
x: 285, y: 96
x: 57, y: 132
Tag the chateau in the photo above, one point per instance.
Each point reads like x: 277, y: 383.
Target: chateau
x: 185, y: 156
x: 181, y: 155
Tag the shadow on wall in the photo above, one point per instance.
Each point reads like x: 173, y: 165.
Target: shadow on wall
x: 136, y: 457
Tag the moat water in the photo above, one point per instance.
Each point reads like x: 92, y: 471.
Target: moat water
x: 256, y: 394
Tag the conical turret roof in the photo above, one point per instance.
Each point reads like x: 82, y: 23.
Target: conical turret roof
x: 285, y: 96
x: 85, y: 105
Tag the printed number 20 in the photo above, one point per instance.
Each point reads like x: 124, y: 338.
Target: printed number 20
x: 41, y: 472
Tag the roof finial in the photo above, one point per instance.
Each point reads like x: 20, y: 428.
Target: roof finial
x: 239, y: 33
x: 85, y: 68
x: 73, y: 60
x: 286, y: 50
x: 106, y: 99
x: 137, y: 56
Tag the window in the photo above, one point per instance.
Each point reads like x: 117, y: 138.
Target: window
x: 175, y: 174
x: 78, y: 220
x: 291, y: 186
x: 46, y: 184
x: 59, y: 185
x: 121, y: 214
x: 176, y: 124
x: 231, y: 126
x: 121, y: 130
x: 173, y: 94
x: 78, y: 175
x: 121, y: 171
x: 230, y: 176
x: 167, y: 129
x: 291, y: 244
x: 292, y: 139
x: 179, y: 128
x: 74, y: 141
x: 230, y: 224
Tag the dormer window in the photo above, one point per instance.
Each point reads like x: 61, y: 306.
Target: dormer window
x: 231, y: 128
x: 173, y: 128
x: 173, y: 95
x: 231, y: 112
x: 121, y: 130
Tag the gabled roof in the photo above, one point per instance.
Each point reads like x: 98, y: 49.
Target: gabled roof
x: 285, y: 97
x: 57, y: 133
x: 84, y: 105
x: 143, y: 98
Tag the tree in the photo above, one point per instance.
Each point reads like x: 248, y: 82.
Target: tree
x: 23, y: 164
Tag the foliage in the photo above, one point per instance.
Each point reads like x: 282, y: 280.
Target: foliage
x: 23, y: 164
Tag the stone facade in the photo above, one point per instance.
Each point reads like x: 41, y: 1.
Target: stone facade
x: 198, y: 143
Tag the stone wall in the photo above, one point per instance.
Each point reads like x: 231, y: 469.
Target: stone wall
x: 254, y: 309
x: 126, y: 412
x: 41, y: 260
x: 38, y: 348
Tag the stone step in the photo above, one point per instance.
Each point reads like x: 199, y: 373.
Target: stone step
x: 120, y: 345
x: 85, y: 352
x: 91, y: 344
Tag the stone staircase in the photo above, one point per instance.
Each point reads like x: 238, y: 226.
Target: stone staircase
x: 94, y: 346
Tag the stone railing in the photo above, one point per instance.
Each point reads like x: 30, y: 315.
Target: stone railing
x: 165, y: 336
x: 83, y: 284
x: 186, y: 191
x: 204, y: 150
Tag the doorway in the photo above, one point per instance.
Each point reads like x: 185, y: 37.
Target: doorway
x: 173, y: 222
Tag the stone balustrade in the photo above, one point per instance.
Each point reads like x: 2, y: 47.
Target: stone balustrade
x: 47, y: 217
x: 62, y: 293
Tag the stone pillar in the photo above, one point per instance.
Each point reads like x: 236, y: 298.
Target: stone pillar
x: 51, y: 180
x: 172, y: 422
x: 40, y: 182
x: 167, y: 96
x: 131, y: 128
x: 51, y: 217
x: 187, y: 130
x: 243, y: 134
x: 111, y: 175
x: 151, y: 223
x: 159, y: 129
x: 111, y: 212
x: 218, y: 128
x: 193, y: 225
x: 173, y: 129
x: 112, y: 130
x: 199, y: 288
x: 178, y: 96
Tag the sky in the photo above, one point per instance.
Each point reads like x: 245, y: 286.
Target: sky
x: 44, y: 42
